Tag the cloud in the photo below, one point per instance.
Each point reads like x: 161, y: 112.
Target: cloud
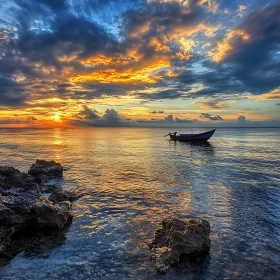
x: 31, y: 119
x: 89, y: 114
x: 171, y: 119
x: 210, y: 105
x: 241, y: 119
x: 157, y: 112
x: 111, y: 115
x: 65, y: 50
x: 210, y: 117
x: 90, y: 117
x: 271, y: 95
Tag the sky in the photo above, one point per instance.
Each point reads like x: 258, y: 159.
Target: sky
x: 198, y: 63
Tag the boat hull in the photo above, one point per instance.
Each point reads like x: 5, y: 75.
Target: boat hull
x: 201, y: 137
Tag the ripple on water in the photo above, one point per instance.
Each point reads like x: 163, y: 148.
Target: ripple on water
x: 131, y: 183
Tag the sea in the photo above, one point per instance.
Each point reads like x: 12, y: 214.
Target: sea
x: 131, y: 178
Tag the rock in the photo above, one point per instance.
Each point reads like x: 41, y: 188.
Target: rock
x: 49, y: 169
x: 6, y: 234
x: 59, y: 195
x: 49, y: 188
x: 24, y: 205
x: 36, y: 243
x: 14, y: 181
x: 176, y: 238
x: 8, y: 217
x: 50, y: 214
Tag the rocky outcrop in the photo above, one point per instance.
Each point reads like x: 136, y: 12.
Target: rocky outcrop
x: 46, y: 169
x: 177, y: 238
x: 28, y: 201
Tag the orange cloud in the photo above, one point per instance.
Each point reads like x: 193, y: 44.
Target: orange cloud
x: 144, y: 72
x: 226, y: 44
x: 272, y: 95
x: 140, y: 29
x: 159, y: 46
x: 101, y: 59
x: 210, y: 105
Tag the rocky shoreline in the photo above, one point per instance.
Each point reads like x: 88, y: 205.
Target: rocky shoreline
x: 28, y: 203
x: 34, y: 215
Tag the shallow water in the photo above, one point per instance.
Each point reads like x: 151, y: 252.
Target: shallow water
x: 134, y: 178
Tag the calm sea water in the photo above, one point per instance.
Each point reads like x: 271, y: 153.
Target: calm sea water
x: 135, y: 177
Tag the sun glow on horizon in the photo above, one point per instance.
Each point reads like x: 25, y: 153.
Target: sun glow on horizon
x: 56, y: 118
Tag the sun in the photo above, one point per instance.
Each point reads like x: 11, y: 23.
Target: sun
x: 56, y: 118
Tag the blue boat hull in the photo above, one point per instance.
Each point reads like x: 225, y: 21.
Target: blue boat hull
x: 201, y: 137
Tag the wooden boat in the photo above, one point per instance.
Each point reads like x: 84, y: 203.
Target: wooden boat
x: 200, y: 137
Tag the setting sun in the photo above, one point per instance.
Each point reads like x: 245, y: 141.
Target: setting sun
x: 56, y: 118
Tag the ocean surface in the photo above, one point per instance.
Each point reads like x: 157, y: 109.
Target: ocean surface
x: 133, y: 178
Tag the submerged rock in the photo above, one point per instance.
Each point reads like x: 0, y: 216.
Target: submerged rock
x: 23, y: 204
x: 177, y: 238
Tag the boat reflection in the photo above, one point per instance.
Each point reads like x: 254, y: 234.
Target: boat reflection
x: 199, y: 147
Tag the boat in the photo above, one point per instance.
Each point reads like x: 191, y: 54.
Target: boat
x: 199, y: 137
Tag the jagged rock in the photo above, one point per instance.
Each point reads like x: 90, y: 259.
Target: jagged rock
x: 59, y: 195
x: 176, y: 238
x: 15, y: 182
x: 49, y: 188
x: 52, y: 215
x: 8, y: 217
x: 18, y: 204
x: 50, y: 169
x: 22, y: 205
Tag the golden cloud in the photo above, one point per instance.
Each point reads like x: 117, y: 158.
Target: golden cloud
x: 210, y: 105
x: 144, y: 72
x: 226, y: 44
x: 271, y: 95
